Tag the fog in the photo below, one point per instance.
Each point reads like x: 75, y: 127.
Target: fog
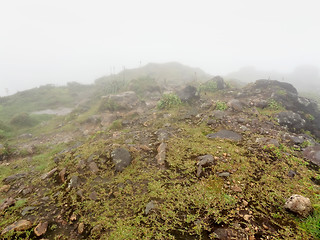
x: 59, y: 41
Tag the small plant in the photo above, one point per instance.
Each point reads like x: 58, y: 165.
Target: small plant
x: 116, y: 125
x: 274, y: 105
x: 210, y: 86
x: 310, y: 117
x: 282, y: 92
x: 168, y: 101
x: 221, y: 106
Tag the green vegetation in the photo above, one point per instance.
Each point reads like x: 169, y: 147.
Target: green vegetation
x: 274, y: 105
x: 221, y: 106
x: 309, y: 117
x: 209, y: 86
x: 143, y: 85
x: 23, y: 120
x: 312, y: 223
x: 169, y: 101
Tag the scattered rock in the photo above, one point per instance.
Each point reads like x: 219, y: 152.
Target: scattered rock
x: 292, y: 173
x: 161, y: 156
x: 299, y: 204
x: 247, y: 217
x: 224, y: 174
x: 121, y: 158
x: 93, y: 167
x: 74, y: 182
x: 225, y: 134
x: 218, y: 82
x: 150, y: 206
x: 188, y: 94
x: 48, y: 174
x: 14, y: 177
x: 27, y: 210
x: 41, y: 229
x: 235, y: 105
x: 236, y: 188
x: 20, y: 225
x: 62, y: 175
x: 204, y: 161
x: 73, y: 217
x: 5, y: 188
x: 93, y: 196
x: 219, y: 114
x: 123, y: 101
x: 7, y: 203
x: 81, y: 228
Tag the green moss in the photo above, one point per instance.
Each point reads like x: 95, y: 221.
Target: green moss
x: 221, y: 106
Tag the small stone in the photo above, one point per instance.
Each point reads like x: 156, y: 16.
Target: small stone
x: 150, y: 206
x: 93, y: 167
x: 27, y: 210
x: 236, y: 188
x: 80, y: 193
x: 291, y: 173
x: 121, y: 158
x: 74, y: 182
x: 247, y: 229
x: 20, y: 225
x: 5, y: 188
x: 80, y: 228
x: 48, y: 174
x: 62, y: 175
x: 224, y: 174
x: 161, y: 156
x: 247, y: 217
x: 93, y: 196
x: 41, y: 228
x: 7, y: 203
x: 245, y: 203
x: 265, y: 226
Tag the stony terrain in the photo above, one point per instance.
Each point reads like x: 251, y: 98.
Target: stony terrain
x: 212, y: 162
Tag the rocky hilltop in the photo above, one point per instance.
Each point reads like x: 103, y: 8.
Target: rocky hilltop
x: 199, y: 161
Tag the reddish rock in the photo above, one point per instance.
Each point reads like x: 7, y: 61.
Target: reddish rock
x: 41, y: 228
x: 7, y: 203
x: 48, y: 174
x: 62, y: 175
x: 5, y: 188
x: 80, y: 228
x: 20, y: 225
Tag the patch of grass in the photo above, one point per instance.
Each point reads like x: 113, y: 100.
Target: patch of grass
x: 312, y: 223
x: 274, y: 105
x: 221, y: 106
x: 169, y: 101
x: 310, y: 117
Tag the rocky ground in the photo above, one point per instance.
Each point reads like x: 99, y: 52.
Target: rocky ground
x: 230, y: 164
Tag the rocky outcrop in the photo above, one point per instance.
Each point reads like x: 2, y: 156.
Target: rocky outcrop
x: 118, y: 102
x: 312, y: 153
x: 225, y: 134
x: 293, y: 121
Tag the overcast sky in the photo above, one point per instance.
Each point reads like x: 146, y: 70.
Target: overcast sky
x: 59, y: 41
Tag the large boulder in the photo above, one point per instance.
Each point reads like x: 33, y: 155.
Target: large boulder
x: 188, y: 94
x: 299, y: 204
x: 121, y: 158
x: 219, y: 82
x: 291, y: 120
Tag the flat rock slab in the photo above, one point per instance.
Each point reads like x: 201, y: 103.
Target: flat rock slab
x: 121, y: 158
x: 20, y: 225
x: 313, y: 154
x: 225, y: 134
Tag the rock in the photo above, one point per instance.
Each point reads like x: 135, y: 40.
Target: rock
x: 20, y: 225
x: 291, y: 120
x: 204, y: 161
x: 224, y: 174
x: 267, y: 84
x: 247, y: 217
x: 292, y: 173
x: 226, y: 234
x: 93, y: 196
x: 236, y: 188
x: 268, y: 141
x: 161, y: 156
x: 123, y: 101
x: 299, y: 204
x: 14, y: 177
x: 62, y: 175
x: 218, y: 82
x: 7, y: 203
x: 312, y: 153
x: 27, y: 210
x: 74, y: 182
x: 48, y: 174
x: 235, y: 105
x: 219, y: 114
x: 41, y: 229
x: 5, y: 188
x: 93, y: 167
x: 81, y: 228
x: 121, y: 158
x: 188, y: 94
x: 150, y: 206
x: 260, y: 103
x: 225, y: 134
x: 73, y: 217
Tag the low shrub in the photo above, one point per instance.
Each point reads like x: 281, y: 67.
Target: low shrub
x: 168, y: 101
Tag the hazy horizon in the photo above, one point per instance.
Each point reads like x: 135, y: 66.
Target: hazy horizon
x: 59, y: 41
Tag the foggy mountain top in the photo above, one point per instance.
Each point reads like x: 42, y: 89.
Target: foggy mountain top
x: 63, y: 41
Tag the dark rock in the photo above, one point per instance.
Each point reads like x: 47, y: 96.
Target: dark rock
x: 299, y: 204
x: 41, y: 229
x: 93, y: 167
x: 218, y: 114
x: 62, y: 175
x: 204, y: 161
x: 218, y: 81
x: 226, y: 234
x: 20, y: 225
x: 211, y: 122
x: 93, y: 196
x: 27, y: 210
x: 312, y: 153
x: 291, y: 120
x: 235, y: 105
x: 225, y: 134
x: 265, y: 84
x: 14, y: 177
x: 292, y: 173
x: 121, y: 158
x: 74, y: 182
x: 188, y: 94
